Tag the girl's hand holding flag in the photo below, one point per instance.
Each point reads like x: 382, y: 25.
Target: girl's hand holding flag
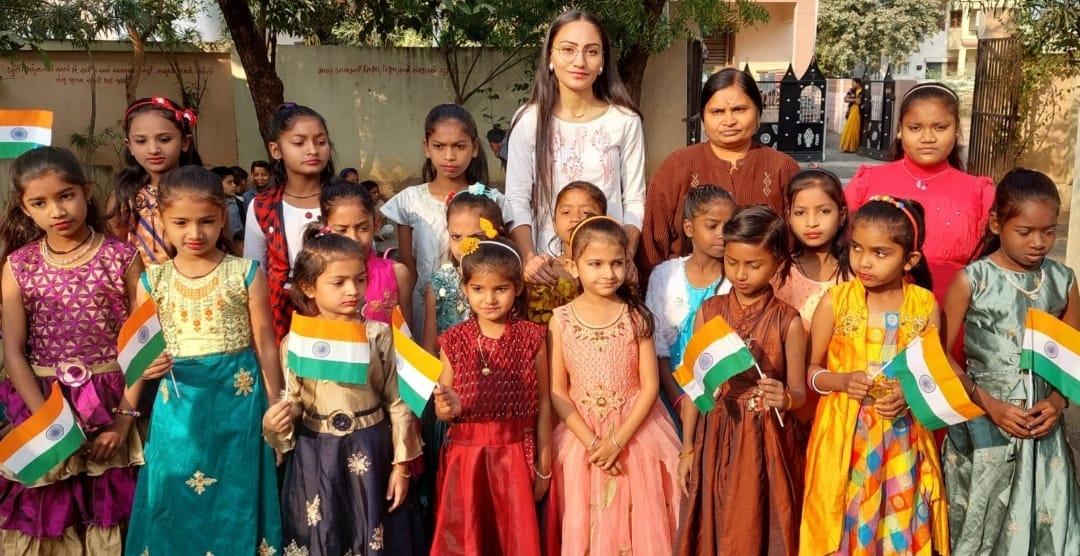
x: 1045, y: 414
x: 447, y: 403
x: 279, y: 417
x: 160, y: 367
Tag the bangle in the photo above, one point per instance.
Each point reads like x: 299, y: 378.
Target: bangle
x: 404, y: 474
x: 687, y: 454
x: 790, y: 400
x: 813, y: 381
x: 971, y: 392
x: 542, y: 476
x: 128, y: 412
x: 595, y: 439
x: 615, y: 442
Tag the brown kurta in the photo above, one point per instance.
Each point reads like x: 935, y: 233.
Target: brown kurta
x: 746, y: 483
x: 758, y: 178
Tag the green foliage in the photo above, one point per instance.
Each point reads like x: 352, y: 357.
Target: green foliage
x: 872, y: 33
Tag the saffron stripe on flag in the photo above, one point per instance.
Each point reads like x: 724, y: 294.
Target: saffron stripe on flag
x: 142, y: 358
x: 33, y: 425
x: 54, y: 455
x: 931, y: 388
x: 34, y: 118
x: 28, y: 451
x: 324, y: 329
x: 1062, y: 371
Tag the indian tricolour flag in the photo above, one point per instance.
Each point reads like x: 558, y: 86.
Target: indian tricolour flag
x: 418, y: 371
x: 714, y: 354
x: 325, y: 349
x: 43, y: 441
x: 931, y: 388
x: 23, y: 130
x: 140, y: 341
x: 1052, y: 351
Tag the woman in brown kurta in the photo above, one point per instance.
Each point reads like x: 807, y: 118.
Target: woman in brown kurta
x: 731, y: 158
x: 746, y: 482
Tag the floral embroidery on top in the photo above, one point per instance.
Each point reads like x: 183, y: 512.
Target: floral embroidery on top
x: 913, y: 325
x: 164, y: 391
x: 847, y: 325
x: 295, y: 550
x: 243, y: 382
x: 199, y: 481
x: 376, y: 538
x: 314, y: 511
x: 602, y: 400
x: 359, y: 464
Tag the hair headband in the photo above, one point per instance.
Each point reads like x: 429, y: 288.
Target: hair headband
x: 183, y: 115
x: 471, y: 245
x: 573, y: 234
x: 938, y: 86
x: 815, y: 167
x: 903, y: 208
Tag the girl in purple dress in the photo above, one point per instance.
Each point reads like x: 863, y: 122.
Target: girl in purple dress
x: 67, y: 289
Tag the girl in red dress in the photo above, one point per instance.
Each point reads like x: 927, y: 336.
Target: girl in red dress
x: 496, y: 461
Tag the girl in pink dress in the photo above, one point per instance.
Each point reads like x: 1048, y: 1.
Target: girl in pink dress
x: 616, y: 453
x: 926, y: 168
x: 349, y: 210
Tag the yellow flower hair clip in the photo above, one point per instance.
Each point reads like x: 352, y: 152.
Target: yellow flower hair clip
x: 469, y: 246
x: 488, y: 228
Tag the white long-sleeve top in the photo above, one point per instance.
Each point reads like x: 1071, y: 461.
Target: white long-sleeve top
x: 608, y: 152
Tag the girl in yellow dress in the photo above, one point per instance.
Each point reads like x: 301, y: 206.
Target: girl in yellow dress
x: 849, y: 138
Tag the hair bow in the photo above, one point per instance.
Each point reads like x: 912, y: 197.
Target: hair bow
x: 481, y: 190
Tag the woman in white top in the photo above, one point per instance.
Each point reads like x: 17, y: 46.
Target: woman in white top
x: 579, y: 124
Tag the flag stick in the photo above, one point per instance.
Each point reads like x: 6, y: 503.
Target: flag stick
x: 775, y: 410
x: 174, y: 386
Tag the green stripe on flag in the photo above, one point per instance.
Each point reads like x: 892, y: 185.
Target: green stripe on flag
x: 1050, y: 372
x: 144, y: 358
x: 898, y: 367
x: 721, y: 372
x: 415, y: 402
x: 10, y: 149
x: 52, y: 457
x: 335, y: 371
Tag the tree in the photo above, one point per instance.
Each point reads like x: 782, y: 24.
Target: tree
x: 264, y: 84
x: 871, y: 33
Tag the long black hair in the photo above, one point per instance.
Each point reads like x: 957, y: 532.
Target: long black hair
x: 759, y: 225
x: 1019, y: 186
x: 477, y: 171
x: 936, y: 92
x: 731, y: 77
x: 284, y: 118
x: 891, y: 214
x: 608, y: 87
x: 607, y: 229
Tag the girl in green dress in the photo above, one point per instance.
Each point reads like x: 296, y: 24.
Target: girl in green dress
x: 1009, y: 475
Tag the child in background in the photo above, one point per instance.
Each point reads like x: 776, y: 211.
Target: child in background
x: 385, y: 232
x: 615, y: 448
x: 260, y: 180
x: 741, y: 468
x: 235, y: 228
x: 208, y: 467
x: 1010, y: 475
x: 494, y: 390
x: 158, y: 136
x: 348, y: 210
x: 576, y: 202
x: 67, y: 289
x: 873, y: 481
x: 454, y: 161
x: 678, y: 287
x: 350, y: 175
x: 348, y: 478
x: 277, y: 217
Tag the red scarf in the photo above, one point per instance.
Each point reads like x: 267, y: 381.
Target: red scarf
x: 268, y: 213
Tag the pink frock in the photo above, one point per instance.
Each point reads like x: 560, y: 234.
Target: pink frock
x: 636, y: 511
x: 382, y: 289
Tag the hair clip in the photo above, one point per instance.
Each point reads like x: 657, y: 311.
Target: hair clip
x: 481, y: 190
x: 488, y: 228
x: 324, y: 231
x: 469, y: 246
x: 902, y: 207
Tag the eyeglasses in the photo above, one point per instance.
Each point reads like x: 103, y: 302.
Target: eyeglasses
x: 569, y: 53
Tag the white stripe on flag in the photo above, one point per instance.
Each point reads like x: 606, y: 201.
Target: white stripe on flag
x: 1066, y: 359
x: 413, y: 377
x: 935, y: 398
x: 38, y: 445
x: 345, y: 352
x: 25, y: 134
x: 694, y: 390
x: 153, y: 327
x: 719, y: 350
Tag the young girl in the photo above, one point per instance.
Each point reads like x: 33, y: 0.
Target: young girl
x: 347, y: 477
x: 574, y: 203
x: 873, y: 484
x: 494, y: 389
x: 1010, y: 475
x: 67, y: 289
x: 472, y: 213
x: 927, y: 169
x: 678, y: 287
x: 276, y: 219
x: 741, y: 467
x: 208, y: 468
x: 158, y: 136
x: 348, y: 209
x: 454, y: 162
x: 615, y: 449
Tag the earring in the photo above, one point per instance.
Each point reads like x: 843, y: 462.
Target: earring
x: 601, y: 72
x: 551, y: 67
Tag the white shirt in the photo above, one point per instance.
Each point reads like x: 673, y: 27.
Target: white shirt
x: 294, y: 219
x: 608, y: 152
x: 669, y: 301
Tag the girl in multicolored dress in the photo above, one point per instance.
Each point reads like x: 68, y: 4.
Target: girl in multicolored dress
x: 209, y: 483
x: 741, y: 467
x: 574, y: 203
x: 348, y: 476
x: 678, y: 287
x: 873, y: 481
x: 1010, y: 475
x: 348, y: 210
x: 67, y: 289
x: 158, y: 136
x: 615, y: 449
x: 494, y: 391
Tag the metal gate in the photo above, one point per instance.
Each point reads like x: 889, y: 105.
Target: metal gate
x: 876, y: 115
x: 995, y: 108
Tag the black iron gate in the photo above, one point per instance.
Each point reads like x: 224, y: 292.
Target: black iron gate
x: 995, y: 108
x: 876, y: 116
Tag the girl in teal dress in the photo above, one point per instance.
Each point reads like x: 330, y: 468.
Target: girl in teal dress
x: 209, y: 484
x: 1009, y: 475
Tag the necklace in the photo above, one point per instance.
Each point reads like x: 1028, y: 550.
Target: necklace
x: 486, y: 369
x: 1033, y: 293
x: 76, y: 259
x: 921, y: 183
x: 80, y: 244
x: 203, y: 275
x: 316, y: 194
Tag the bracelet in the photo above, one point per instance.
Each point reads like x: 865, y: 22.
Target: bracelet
x: 615, y: 442
x: 541, y: 476
x: 813, y: 381
x: 790, y: 400
x: 687, y: 454
x: 404, y: 474
x: 595, y: 439
x: 127, y: 412
x: 974, y: 386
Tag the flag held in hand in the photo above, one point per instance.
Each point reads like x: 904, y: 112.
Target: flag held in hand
x: 714, y: 355
x: 1052, y: 351
x: 418, y: 371
x: 931, y: 388
x: 41, y: 442
x: 140, y: 341
x: 323, y: 349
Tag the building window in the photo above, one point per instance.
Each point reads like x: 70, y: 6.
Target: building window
x: 956, y: 19
x: 933, y: 70
x: 973, y: 21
